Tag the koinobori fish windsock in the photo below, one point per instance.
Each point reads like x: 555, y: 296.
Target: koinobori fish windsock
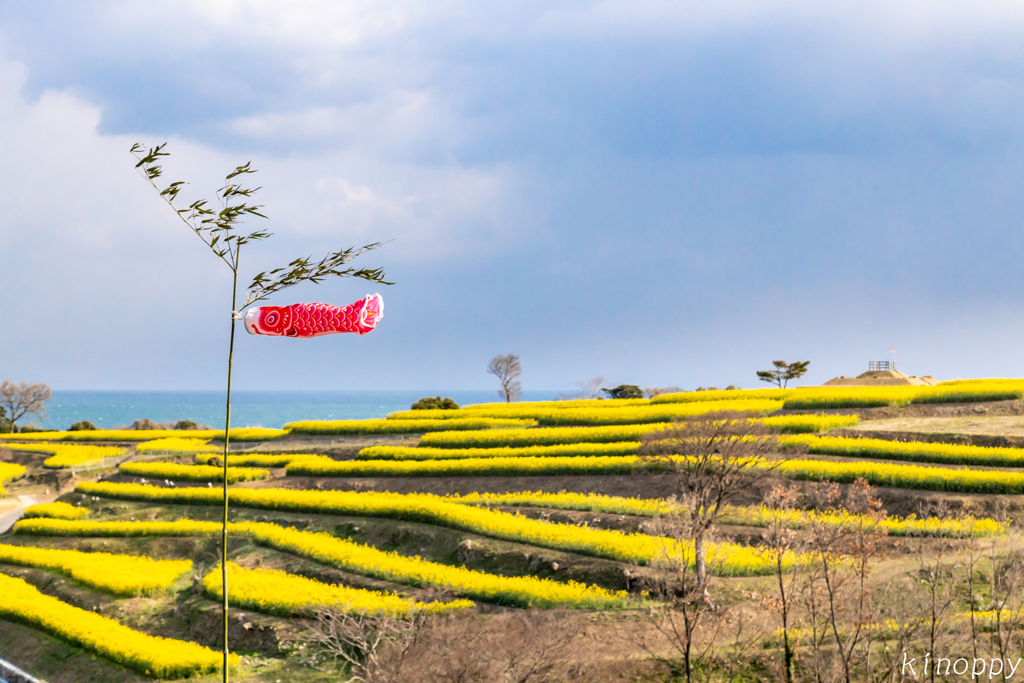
x: 315, y: 320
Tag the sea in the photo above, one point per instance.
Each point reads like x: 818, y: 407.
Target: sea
x: 111, y: 409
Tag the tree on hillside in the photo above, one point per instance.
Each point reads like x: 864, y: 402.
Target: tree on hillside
x: 712, y: 457
x: 783, y: 372
x: 21, y: 399
x: 507, y: 370
x: 624, y: 391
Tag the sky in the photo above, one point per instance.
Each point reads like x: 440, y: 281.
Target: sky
x: 657, y: 193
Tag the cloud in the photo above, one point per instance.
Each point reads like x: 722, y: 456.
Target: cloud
x: 660, y: 193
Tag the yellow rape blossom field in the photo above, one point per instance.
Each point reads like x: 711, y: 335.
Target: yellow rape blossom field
x: 862, y: 397
x: 117, y: 574
x: 956, y: 454
x: 523, y: 591
x: 254, y: 459
x: 637, y: 548
x: 237, y: 434
x: 278, y: 592
x: 66, y: 455
x: 488, y: 467
x: 150, y: 655
x: 57, y: 510
x: 965, y: 527
x: 595, y: 412
x: 560, y: 436
x: 427, y: 453
x: 342, y: 427
x: 8, y: 472
x: 368, y: 524
x: 177, y: 445
x: 907, y: 476
x: 174, y: 472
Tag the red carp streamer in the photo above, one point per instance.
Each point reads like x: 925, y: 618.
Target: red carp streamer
x: 315, y: 320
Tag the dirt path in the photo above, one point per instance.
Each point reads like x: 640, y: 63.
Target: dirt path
x: 8, y: 519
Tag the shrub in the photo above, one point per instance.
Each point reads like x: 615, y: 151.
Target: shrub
x: 185, y: 424
x: 436, y: 403
x: 83, y: 426
x: 624, y: 391
x: 32, y: 429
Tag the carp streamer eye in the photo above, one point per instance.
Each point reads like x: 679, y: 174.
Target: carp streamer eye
x: 272, y: 318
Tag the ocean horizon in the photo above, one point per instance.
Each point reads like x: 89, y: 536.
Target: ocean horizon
x: 249, y: 408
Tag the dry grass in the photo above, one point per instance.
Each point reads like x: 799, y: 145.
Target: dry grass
x: 988, y: 425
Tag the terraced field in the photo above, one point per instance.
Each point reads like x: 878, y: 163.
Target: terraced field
x: 496, y: 509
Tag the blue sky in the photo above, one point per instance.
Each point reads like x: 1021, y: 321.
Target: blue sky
x: 659, y: 193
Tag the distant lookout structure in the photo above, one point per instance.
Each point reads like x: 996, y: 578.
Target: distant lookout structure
x: 881, y: 373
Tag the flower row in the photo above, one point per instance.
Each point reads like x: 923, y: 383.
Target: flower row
x: 150, y: 655
x: 322, y: 466
x: 67, y: 455
x: 553, y: 436
x: 862, y: 397
x: 637, y: 548
x: 240, y: 434
x: 894, y: 526
x: 550, y: 414
x: 9, y: 471
x: 167, y: 470
x: 906, y: 476
x: 427, y: 453
x: 329, y: 427
x: 117, y: 574
x: 911, y: 450
x: 254, y: 459
x: 521, y: 591
x: 56, y: 510
x: 284, y: 594
x: 178, y: 445
x: 748, y: 516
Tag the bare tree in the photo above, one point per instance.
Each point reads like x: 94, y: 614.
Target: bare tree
x: 843, y: 549
x: 937, y: 578
x: 21, y: 399
x: 712, y: 457
x: 651, y: 392
x: 684, y: 626
x: 779, y: 542
x: 587, y: 390
x: 506, y: 369
x: 375, y: 647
